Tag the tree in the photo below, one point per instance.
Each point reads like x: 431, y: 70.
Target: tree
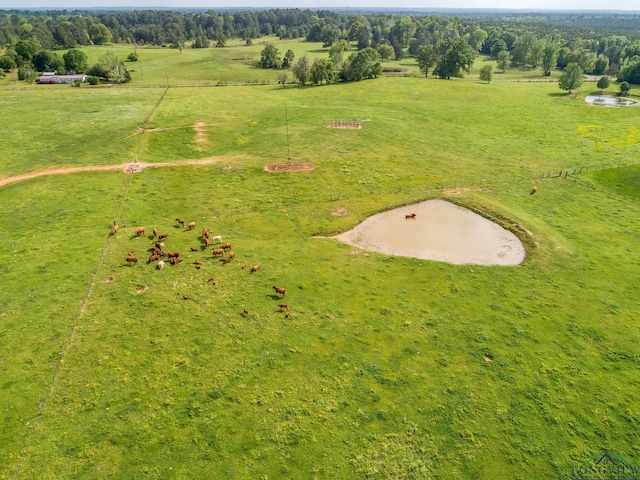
x: 100, y: 34
x: 603, y: 83
x: 572, y: 78
x: 322, y: 70
x: 7, y: 63
x: 454, y: 57
x: 45, y: 61
x: 549, y: 57
x: 26, y: 49
x: 624, y: 89
x: 270, y: 57
x: 584, y: 58
x: 364, y: 64
x: 329, y: 34
x: 426, y: 58
x: 110, y: 68
x: 601, y: 65
x: 486, y: 73
x: 282, y: 79
x: 386, y: 51
x: 301, y: 70
x: 75, y: 61
x: 504, y: 60
x: 288, y: 59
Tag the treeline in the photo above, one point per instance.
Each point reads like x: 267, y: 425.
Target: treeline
x: 550, y: 41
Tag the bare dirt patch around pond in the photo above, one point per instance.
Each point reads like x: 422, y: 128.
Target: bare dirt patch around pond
x: 437, y: 230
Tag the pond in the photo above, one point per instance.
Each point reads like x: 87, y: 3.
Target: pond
x: 608, y: 101
x: 440, y: 231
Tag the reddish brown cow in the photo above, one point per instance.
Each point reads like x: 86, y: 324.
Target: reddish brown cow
x: 213, y: 280
x: 155, y: 232
x: 139, y: 231
x: 231, y: 256
x: 205, y: 233
x: 191, y: 225
x: 173, y: 254
x: 131, y: 260
x: 255, y: 268
x: 115, y: 229
x: 225, y: 246
x: 206, y: 242
x: 410, y: 215
x: 217, y: 251
x: 159, y: 245
x: 280, y: 291
x: 180, y: 221
x: 287, y: 315
x: 162, y: 236
x: 283, y: 306
x: 175, y: 261
x: 153, y: 258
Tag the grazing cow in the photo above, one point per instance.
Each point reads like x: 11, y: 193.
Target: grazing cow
x: 173, y: 254
x: 213, y: 280
x: 162, y: 236
x: 287, y: 315
x: 186, y: 297
x: 155, y: 232
x: 231, y: 256
x: 255, y: 268
x: 161, y: 265
x: 175, y: 261
x: 153, y: 258
x: 152, y: 249
x: 217, y: 239
x: 246, y: 312
x: 217, y: 251
x: 191, y: 225
x: 180, y: 221
x: 534, y: 190
x: 206, y: 242
x: 159, y: 245
x: 284, y: 306
x: 131, y: 260
x: 115, y: 229
x: 197, y: 262
x: 224, y: 260
x: 194, y: 249
x: 139, y: 231
x: 225, y: 246
x: 205, y: 233
x: 410, y: 215
x: 280, y: 291
x: 198, y: 267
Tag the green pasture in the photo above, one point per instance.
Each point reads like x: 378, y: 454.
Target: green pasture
x: 381, y: 370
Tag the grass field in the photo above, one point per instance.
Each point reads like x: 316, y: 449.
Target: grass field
x: 381, y: 370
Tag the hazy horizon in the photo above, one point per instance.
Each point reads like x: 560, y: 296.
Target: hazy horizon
x: 536, y: 5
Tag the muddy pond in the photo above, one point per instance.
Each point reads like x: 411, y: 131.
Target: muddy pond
x: 608, y: 101
x: 440, y: 231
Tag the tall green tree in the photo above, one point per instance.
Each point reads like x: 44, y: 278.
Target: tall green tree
x: 270, y: 57
x: 363, y: 64
x: 75, y: 61
x: 322, y: 70
x: 426, y: 58
x: 288, y: 59
x: 504, y: 60
x: 454, y: 57
x: 45, y: 61
x: 100, y: 34
x: 301, y: 70
x: 486, y: 73
x: 603, y: 83
x: 549, y: 57
x: 572, y: 77
x: 26, y: 49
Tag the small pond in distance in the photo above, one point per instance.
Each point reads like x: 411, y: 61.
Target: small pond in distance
x: 440, y: 231
x: 608, y: 101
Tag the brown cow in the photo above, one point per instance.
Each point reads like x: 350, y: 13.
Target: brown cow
x: 225, y: 246
x: 197, y: 262
x: 175, y: 261
x: 194, y: 249
x: 186, y: 297
x: 180, y: 221
x: 152, y: 249
x: 205, y: 233
x: 213, y: 280
x: 115, y: 229
x: 231, y: 256
x: 410, y: 215
x: 159, y: 245
x: 155, y: 232
x: 287, y: 315
x: 284, y: 306
x: 206, y: 242
x: 173, y: 254
x: 131, y: 259
x: 162, y: 236
x: 153, y: 258
x: 217, y: 251
x: 534, y: 190
x: 139, y: 231
x: 255, y: 268
x: 280, y: 291
x: 191, y: 225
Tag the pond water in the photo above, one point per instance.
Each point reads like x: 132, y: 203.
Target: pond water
x: 440, y: 231
x: 608, y: 101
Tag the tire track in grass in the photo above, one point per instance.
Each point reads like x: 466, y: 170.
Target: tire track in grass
x: 34, y: 422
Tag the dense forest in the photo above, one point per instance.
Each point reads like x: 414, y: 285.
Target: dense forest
x: 599, y: 43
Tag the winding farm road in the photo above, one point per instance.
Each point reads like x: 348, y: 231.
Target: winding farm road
x: 131, y: 167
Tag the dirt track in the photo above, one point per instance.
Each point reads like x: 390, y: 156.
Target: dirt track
x: 132, y: 167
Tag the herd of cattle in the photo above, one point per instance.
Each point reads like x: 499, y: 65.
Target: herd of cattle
x: 157, y: 253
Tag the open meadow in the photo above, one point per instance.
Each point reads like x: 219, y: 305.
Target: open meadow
x: 386, y: 367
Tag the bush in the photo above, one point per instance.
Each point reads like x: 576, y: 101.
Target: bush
x: 132, y: 57
x: 93, y: 80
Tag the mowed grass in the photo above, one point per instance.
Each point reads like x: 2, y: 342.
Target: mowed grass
x: 380, y: 371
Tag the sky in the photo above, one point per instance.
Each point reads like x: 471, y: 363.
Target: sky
x: 628, y: 5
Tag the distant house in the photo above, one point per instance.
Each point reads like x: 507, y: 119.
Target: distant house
x: 53, y: 78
